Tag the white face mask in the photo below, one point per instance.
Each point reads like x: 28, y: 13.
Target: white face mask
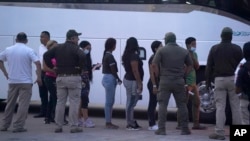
x: 86, y: 51
x: 192, y: 49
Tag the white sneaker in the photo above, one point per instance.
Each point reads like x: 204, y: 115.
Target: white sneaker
x: 80, y: 122
x: 153, y: 128
x: 88, y: 123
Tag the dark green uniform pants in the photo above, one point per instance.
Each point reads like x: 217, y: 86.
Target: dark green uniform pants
x: 176, y: 87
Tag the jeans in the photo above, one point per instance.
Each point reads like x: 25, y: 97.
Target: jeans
x: 132, y: 98
x: 51, y: 86
x: 43, y: 92
x: 109, y: 83
x: 151, y: 105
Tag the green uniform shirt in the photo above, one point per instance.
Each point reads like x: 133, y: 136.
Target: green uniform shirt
x: 172, y: 59
x: 191, y: 76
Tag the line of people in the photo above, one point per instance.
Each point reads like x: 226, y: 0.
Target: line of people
x: 67, y: 72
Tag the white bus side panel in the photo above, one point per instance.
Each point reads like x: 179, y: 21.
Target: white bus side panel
x: 98, y: 25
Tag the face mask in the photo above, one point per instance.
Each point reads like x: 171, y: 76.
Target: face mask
x: 192, y: 49
x: 86, y: 51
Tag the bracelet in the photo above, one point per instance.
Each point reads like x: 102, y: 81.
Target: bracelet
x: 154, y: 86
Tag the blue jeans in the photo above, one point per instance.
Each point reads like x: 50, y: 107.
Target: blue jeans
x: 151, y: 105
x: 132, y: 98
x: 109, y: 83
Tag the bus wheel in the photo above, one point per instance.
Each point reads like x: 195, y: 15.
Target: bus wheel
x: 207, y: 103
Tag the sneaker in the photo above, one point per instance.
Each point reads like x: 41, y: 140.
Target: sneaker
x: 76, y: 130
x: 65, y: 122
x: 52, y: 120
x: 111, y: 126
x: 3, y: 129
x: 80, y: 123
x: 58, y: 130
x: 153, y: 128
x: 216, y: 137
x: 46, y: 121
x: 199, y: 127
x: 160, y: 132
x: 19, y: 130
x: 185, y: 132
x: 137, y: 125
x: 132, y: 128
x: 88, y: 123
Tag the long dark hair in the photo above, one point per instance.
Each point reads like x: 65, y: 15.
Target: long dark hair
x: 131, y: 47
x: 109, y: 45
x: 88, y: 61
x: 246, y: 51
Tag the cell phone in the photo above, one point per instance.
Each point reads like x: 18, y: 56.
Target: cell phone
x: 97, y: 68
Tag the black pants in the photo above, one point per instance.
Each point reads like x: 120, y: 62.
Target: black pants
x: 43, y: 92
x: 151, y: 105
x: 51, y: 86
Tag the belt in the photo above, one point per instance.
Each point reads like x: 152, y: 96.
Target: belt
x: 64, y: 75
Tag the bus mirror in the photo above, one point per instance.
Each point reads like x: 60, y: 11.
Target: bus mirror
x: 142, y: 53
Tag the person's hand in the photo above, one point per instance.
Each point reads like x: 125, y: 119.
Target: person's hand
x: 119, y: 81
x: 139, y: 88
x: 54, y: 69
x: 97, y: 66
x: 39, y: 82
x: 155, y: 90
x: 237, y: 90
x: 6, y: 76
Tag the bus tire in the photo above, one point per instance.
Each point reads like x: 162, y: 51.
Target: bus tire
x: 207, y: 104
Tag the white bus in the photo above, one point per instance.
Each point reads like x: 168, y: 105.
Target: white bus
x: 99, y: 21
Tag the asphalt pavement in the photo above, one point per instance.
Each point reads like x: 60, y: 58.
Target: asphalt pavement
x: 38, y: 131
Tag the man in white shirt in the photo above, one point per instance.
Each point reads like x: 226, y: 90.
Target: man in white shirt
x: 43, y: 91
x: 19, y: 58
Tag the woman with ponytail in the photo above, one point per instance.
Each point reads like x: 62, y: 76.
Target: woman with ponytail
x: 110, y: 80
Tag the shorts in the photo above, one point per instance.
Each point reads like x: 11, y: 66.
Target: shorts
x: 85, y: 91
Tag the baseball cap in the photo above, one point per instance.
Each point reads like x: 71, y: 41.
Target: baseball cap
x: 71, y: 33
